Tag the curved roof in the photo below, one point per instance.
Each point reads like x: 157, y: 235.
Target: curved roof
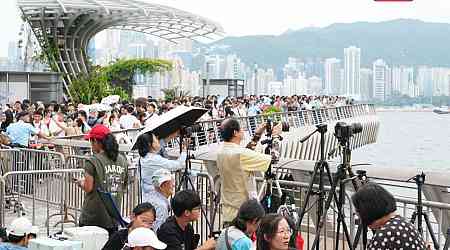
x: 66, y: 26
x: 158, y: 20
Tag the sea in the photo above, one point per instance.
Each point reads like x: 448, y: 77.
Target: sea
x: 418, y: 140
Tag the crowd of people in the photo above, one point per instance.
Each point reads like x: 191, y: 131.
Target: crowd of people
x: 67, y: 119
x: 163, y: 219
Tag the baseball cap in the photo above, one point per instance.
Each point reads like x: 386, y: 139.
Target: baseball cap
x: 20, y: 227
x: 143, y: 237
x: 98, y: 132
x: 160, y: 176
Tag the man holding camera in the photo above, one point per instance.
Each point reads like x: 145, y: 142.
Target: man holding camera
x: 238, y: 166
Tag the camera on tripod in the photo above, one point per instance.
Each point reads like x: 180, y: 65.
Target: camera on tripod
x: 270, y: 124
x: 187, y: 131
x: 344, y: 131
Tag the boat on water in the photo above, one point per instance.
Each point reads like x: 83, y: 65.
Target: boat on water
x: 442, y: 110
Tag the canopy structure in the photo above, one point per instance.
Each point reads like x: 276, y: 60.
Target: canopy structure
x: 64, y: 27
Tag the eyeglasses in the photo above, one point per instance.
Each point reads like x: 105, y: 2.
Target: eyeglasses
x: 285, y: 231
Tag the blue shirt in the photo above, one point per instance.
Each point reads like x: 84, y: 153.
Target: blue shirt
x: 20, y: 132
x: 237, y: 239
x: 161, y: 204
x: 152, y: 162
x: 9, y: 246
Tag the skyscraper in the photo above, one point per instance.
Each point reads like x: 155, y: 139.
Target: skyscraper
x: 403, y: 81
x: 352, y: 65
x: 424, y: 81
x: 332, y: 76
x: 366, y: 84
x: 380, y: 70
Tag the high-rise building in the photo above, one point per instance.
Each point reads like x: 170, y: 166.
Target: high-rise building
x: 233, y: 67
x: 440, y: 78
x: 295, y: 86
x: 332, y: 76
x: 352, y: 65
x: 13, y: 52
x: 366, y: 84
x: 380, y: 77
x: 315, y: 86
x: 403, y: 81
x: 424, y: 81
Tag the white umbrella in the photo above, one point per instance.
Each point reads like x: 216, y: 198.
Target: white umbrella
x: 172, y: 121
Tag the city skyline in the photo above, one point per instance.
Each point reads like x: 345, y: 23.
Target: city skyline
x: 282, y: 17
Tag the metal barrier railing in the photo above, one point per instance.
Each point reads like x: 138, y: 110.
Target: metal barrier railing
x: 47, y: 184
x: 38, y: 189
x: 208, y: 132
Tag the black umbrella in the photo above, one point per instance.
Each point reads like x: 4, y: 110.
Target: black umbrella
x: 168, y: 123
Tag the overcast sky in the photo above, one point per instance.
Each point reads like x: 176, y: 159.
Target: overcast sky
x: 250, y: 17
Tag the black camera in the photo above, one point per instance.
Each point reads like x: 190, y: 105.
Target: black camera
x: 188, y: 130
x: 270, y: 125
x: 344, y: 131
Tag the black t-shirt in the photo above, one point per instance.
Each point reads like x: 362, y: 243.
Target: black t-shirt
x: 175, y: 238
x: 117, y: 240
x: 397, y: 234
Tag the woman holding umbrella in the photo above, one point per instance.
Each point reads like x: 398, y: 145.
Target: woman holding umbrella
x: 149, y: 146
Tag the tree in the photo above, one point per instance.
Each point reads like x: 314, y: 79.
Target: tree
x: 171, y: 93
x: 94, y: 85
x: 121, y: 73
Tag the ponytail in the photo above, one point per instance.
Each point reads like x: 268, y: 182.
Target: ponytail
x: 110, y: 146
x: 143, y: 143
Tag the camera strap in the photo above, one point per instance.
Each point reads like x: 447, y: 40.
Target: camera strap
x: 227, y: 239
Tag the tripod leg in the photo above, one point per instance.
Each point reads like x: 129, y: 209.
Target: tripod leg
x: 358, y: 236
x: 430, y: 230
x: 332, y: 194
x: 447, y: 240
x: 308, y: 194
x: 413, y: 218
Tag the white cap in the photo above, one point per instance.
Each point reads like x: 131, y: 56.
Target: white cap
x: 20, y: 227
x: 160, y: 176
x: 144, y: 237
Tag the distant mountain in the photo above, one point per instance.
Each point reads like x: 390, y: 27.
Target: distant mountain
x: 402, y: 41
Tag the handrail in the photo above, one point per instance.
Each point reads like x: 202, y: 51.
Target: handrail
x: 369, y: 110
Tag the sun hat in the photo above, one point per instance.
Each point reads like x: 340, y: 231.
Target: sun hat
x: 160, y: 176
x: 143, y: 237
x: 20, y: 227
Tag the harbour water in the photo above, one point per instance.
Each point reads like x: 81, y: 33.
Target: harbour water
x: 409, y: 140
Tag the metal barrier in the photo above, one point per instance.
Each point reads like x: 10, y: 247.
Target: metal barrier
x: 42, y: 190
x: 51, y: 192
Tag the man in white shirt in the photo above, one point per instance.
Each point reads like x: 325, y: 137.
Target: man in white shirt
x: 127, y: 120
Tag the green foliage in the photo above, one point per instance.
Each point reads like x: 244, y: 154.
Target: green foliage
x: 114, y: 79
x: 121, y: 73
x: 171, y: 93
x: 94, y: 85
x: 47, y: 54
x: 270, y: 110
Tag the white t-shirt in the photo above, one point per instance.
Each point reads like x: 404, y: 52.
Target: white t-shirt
x: 127, y: 121
x: 150, y: 118
x: 55, y: 130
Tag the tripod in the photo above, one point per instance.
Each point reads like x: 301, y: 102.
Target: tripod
x: 269, y: 176
x: 420, y: 180
x: 362, y: 229
x: 186, y: 182
x: 341, y: 174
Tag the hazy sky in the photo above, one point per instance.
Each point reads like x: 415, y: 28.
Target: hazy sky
x: 249, y: 17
